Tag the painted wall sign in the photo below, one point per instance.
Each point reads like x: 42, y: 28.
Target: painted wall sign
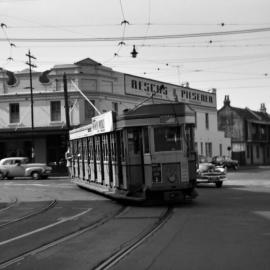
x: 145, y: 87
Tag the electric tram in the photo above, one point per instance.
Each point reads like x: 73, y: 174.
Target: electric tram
x: 144, y: 154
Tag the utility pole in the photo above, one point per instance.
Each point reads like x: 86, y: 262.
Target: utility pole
x: 66, y: 101
x: 29, y: 63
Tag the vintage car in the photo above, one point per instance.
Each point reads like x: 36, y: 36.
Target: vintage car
x: 209, y: 173
x: 225, y: 162
x: 19, y: 167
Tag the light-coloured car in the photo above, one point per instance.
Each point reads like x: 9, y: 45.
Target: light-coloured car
x: 19, y: 167
x: 209, y: 173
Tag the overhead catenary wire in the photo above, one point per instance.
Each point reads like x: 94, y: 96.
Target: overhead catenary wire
x: 153, y: 37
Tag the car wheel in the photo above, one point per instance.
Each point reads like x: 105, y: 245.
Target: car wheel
x: 35, y: 175
x: 2, y: 176
x: 219, y: 184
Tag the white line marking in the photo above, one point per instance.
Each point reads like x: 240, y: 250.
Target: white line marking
x: 63, y: 219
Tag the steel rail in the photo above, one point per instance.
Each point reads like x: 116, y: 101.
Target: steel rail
x: 47, y: 207
x: 62, y: 239
x: 119, y: 255
x: 11, y: 204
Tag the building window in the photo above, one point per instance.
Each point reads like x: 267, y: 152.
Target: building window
x: 207, y: 121
x: 202, y: 148
x: 208, y: 149
x: 248, y: 151
x: 257, y: 151
x: 14, y: 113
x: 196, y: 146
x: 220, y: 149
x: 89, y: 111
x: 55, y: 111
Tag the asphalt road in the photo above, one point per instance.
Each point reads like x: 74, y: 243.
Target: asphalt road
x: 224, y: 228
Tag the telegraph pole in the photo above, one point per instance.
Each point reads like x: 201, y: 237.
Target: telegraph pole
x: 29, y: 63
x: 66, y: 101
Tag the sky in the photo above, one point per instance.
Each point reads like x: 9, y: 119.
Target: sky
x: 207, y: 43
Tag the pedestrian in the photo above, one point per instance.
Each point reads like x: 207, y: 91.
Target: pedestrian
x: 68, y: 158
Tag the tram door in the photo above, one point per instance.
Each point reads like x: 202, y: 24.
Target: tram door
x: 134, y: 159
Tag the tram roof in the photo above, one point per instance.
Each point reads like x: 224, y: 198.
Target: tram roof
x: 156, y: 110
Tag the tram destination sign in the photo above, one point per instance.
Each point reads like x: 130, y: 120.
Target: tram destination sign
x: 100, y: 124
x: 139, y: 86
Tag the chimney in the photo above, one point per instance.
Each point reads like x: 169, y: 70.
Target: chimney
x: 263, y: 108
x: 227, y: 101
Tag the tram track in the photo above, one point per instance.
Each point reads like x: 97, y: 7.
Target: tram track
x: 30, y: 214
x: 10, y: 205
x: 60, y: 240
x: 140, y: 239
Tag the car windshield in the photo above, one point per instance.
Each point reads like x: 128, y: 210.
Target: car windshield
x: 205, y: 167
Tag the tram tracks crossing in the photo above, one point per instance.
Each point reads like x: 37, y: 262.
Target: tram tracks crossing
x: 140, y: 239
x: 59, y: 240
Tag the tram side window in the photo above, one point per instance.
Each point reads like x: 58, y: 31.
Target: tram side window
x: 79, y: 153
x: 113, y: 146
x: 134, y: 140
x: 73, y: 147
x: 97, y: 143
x: 84, y: 148
x: 91, y: 148
x: 105, y: 149
x: 168, y: 138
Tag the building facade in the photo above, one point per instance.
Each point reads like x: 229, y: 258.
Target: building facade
x: 249, y: 132
x: 46, y: 139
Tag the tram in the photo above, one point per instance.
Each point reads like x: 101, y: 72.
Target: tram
x: 144, y: 154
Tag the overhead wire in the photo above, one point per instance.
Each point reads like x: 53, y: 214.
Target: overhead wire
x: 154, y: 37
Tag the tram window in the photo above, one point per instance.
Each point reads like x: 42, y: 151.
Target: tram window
x: 97, y: 143
x: 134, y: 140
x: 113, y: 146
x: 168, y: 138
x: 105, y: 147
x: 123, y: 156
x: 146, y: 140
x: 73, y: 147
x: 79, y: 153
x: 84, y: 148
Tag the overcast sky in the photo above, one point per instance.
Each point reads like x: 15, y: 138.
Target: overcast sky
x: 236, y: 64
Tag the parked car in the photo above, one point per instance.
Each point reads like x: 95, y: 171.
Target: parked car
x: 209, y: 173
x: 225, y: 162
x: 19, y: 167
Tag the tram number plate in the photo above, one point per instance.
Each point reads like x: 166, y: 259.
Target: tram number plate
x: 173, y: 195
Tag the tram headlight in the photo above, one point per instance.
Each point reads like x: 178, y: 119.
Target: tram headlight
x: 172, y: 178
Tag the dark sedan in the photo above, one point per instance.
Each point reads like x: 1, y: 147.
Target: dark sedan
x: 225, y: 162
